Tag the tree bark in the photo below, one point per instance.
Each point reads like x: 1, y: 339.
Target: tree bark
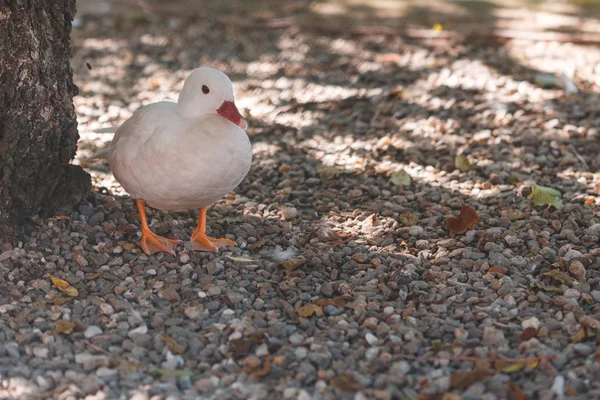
x: 38, y: 127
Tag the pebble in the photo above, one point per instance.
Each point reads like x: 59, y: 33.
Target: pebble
x: 492, y: 336
x: 296, y: 339
x: 92, y: 331
x: 577, y: 270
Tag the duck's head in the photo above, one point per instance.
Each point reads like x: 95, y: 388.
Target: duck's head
x: 207, y: 91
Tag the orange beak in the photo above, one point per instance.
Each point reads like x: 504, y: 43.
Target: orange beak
x: 229, y: 110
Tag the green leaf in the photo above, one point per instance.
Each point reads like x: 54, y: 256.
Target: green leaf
x: 240, y: 259
x: 462, y: 163
x: 400, y: 178
x: 545, y: 196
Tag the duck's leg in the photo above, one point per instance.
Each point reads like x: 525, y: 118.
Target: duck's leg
x: 201, y: 242
x: 152, y: 243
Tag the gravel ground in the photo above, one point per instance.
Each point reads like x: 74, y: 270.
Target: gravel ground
x: 343, y: 285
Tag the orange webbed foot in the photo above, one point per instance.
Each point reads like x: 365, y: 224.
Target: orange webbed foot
x: 205, y: 243
x: 152, y: 243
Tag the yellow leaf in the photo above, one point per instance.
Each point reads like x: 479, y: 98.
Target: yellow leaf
x: 438, y: 27
x: 400, y: 178
x: 408, y: 219
x: 545, y: 196
x: 240, y: 259
x: 309, y: 310
x: 62, y: 217
x: 64, y: 286
x: 510, y: 367
x: 462, y: 163
x: 63, y: 326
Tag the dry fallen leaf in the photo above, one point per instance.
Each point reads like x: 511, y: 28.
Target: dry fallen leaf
x: 292, y: 264
x: 462, y: 163
x: 582, y: 334
x: 59, y: 301
x: 510, y: 366
x: 400, y: 178
x: 243, y: 346
x: 597, y: 354
x: 240, y: 259
x: 65, y: 327
x: 408, y: 219
x: 545, y: 196
x: 309, y: 310
x: 336, y: 301
x: 327, y: 173
x: 93, y: 275
x: 529, y: 333
x: 589, y: 201
x: 173, y: 345
x: 466, y: 220
x: 64, y: 286
x: 266, y: 368
x: 462, y: 380
x: 497, y: 269
x: 544, y: 288
x: 516, y: 393
x: 559, y: 276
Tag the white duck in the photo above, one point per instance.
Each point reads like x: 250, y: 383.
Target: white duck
x: 183, y: 155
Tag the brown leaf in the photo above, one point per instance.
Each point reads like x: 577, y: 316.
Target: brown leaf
x: 266, y: 368
x: 529, y: 333
x: 258, y: 245
x: 346, y: 382
x: 64, y: 286
x: 93, y: 275
x: 336, y: 301
x: 59, y: 301
x: 597, y: 354
x: 497, y: 269
x: 243, y: 346
x: 560, y: 276
x: 539, y: 286
x: 309, y: 310
x: 174, y: 345
x: 65, y: 327
x: 462, y: 380
x: 466, y: 220
x: 516, y: 393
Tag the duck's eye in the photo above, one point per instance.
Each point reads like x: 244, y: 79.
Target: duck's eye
x: 205, y: 89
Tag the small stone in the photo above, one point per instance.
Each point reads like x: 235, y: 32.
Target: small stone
x: 577, y: 270
x: 171, y: 295
x: 301, y: 352
x: 106, y: 309
x: 532, y: 322
x: 327, y: 289
x: 289, y: 212
x: 96, y: 219
x: 583, y: 349
x: 572, y: 294
x: 439, y: 308
x: 354, y: 193
x: 92, y: 331
x: 193, y: 312
x: 371, y: 339
x: 40, y: 352
x: 371, y: 323
x: 184, y: 259
x: 331, y: 310
x: 296, y: 339
x: 141, y: 330
x: 572, y: 255
x: 492, y: 336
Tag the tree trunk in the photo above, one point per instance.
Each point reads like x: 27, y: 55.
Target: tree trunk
x: 38, y: 128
